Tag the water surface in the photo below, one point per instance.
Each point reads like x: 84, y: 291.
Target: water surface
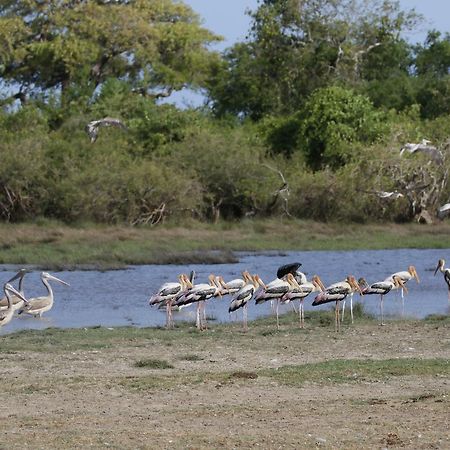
x: 120, y: 297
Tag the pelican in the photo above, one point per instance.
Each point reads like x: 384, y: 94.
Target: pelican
x: 38, y: 305
x: 443, y: 211
x: 199, y: 294
x: 446, y: 271
x: 275, y: 290
x: 394, y: 195
x: 93, y: 126
x: 17, y: 302
x: 424, y: 147
x: 301, y: 293
x: 382, y: 288
x: 405, y: 276
x: 7, y: 315
x: 244, y: 295
x: 167, y: 293
x: 335, y: 293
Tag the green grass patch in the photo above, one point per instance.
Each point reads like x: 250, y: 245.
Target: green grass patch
x: 153, y: 364
x: 438, y: 318
x: 52, y: 245
x: 327, y: 372
x: 348, y: 371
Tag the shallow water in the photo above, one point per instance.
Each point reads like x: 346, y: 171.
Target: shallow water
x: 120, y: 297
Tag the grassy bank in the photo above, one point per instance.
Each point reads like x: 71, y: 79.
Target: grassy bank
x: 366, y: 387
x: 53, y: 245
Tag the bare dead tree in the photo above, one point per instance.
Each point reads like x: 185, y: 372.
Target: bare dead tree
x: 422, y: 186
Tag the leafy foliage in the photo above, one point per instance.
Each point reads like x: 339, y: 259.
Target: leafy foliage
x: 306, y: 117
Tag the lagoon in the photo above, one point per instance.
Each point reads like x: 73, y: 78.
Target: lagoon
x: 120, y: 297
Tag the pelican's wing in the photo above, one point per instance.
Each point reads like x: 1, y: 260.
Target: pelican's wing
x: 4, y: 301
x: 93, y: 126
x: 430, y: 150
x: 444, y: 210
x: 34, y: 304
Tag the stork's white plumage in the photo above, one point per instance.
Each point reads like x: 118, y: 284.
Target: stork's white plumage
x: 233, y: 286
x: 382, y: 288
x: 301, y: 293
x: 337, y: 292
x: 244, y: 295
x: 405, y: 276
x: 199, y: 294
x: 166, y: 295
x: 275, y: 290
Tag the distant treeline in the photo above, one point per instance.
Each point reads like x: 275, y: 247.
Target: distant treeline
x: 305, y: 118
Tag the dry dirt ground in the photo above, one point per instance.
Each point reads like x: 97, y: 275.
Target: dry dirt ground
x: 225, y: 389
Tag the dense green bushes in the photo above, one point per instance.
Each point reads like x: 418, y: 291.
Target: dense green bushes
x: 306, y: 117
x: 214, y: 168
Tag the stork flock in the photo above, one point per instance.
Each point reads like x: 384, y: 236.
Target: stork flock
x: 289, y: 285
x: 16, y: 301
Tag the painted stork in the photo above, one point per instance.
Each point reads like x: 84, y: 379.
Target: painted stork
x: 233, y: 286
x: 335, y: 293
x: 275, y: 290
x: 446, y: 272
x: 405, y: 276
x: 38, y: 305
x: 382, y: 288
x: 300, y: 293
x: 244, y: 295
x: 166, y: 295
x: 199, y: 294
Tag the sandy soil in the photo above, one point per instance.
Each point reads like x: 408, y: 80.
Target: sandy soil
x: 98, y: 398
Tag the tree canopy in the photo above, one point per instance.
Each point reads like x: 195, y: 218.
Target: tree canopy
x: 74, y: 46
x: 304, y: 118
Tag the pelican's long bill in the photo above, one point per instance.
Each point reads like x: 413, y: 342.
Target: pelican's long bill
x: 12, y: 290
x: 52, y: 277
x: 20, y: 274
